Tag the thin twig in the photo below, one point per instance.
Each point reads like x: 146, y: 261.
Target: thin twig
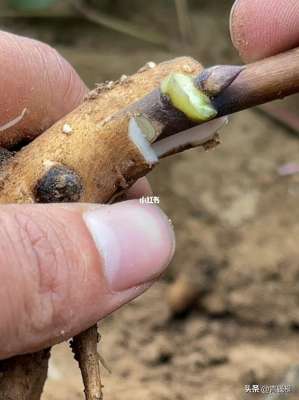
x: 59, y: 10
x: 184, y: 21
x: 84, y: 347
x: 119, y: 25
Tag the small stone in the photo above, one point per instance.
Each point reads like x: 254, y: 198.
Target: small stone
x: 148, y: 65
x: 151, y: 64
x: 92, y: 95
x: 123, y: 78
x: 67, y: 129
x: 110, y: 84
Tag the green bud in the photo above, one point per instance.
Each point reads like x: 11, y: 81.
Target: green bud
x: 185, y: 96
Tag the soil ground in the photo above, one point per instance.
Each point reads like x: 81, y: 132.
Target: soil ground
x: 236, y: 219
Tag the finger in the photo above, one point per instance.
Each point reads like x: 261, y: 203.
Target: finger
x: 33, y: 76
x: 139, y: 189
x: 261, y: 28
x: 63, y: 267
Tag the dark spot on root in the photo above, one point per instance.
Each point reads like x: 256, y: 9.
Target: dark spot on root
x: 4, y: 155
x: 59, y: 185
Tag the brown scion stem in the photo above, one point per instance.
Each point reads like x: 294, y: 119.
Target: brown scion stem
x: 260, y: 82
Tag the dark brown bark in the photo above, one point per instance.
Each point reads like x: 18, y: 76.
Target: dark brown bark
x: 4, y: 155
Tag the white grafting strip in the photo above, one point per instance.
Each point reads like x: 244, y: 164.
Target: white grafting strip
x: 194, y: 136
x: 140, y: 141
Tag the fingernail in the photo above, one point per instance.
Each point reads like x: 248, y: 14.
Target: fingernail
x: 231, y: 18
x: 135, y: 241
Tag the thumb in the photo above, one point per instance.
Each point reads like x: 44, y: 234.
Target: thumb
x: 63, y: 267
x: 262, y: 28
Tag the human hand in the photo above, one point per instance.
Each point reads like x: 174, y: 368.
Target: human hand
x: 65, y: 266
x: 261, y: 28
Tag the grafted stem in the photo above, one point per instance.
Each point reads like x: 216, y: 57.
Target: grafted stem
x: 260, y: 82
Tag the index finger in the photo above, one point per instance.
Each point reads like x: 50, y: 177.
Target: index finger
x: 261, y: 28
x: 35, y: 78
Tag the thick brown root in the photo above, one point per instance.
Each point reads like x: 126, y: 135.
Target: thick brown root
x: 23, y: 377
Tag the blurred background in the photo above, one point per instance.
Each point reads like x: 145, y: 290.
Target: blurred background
x: 227, y: 313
